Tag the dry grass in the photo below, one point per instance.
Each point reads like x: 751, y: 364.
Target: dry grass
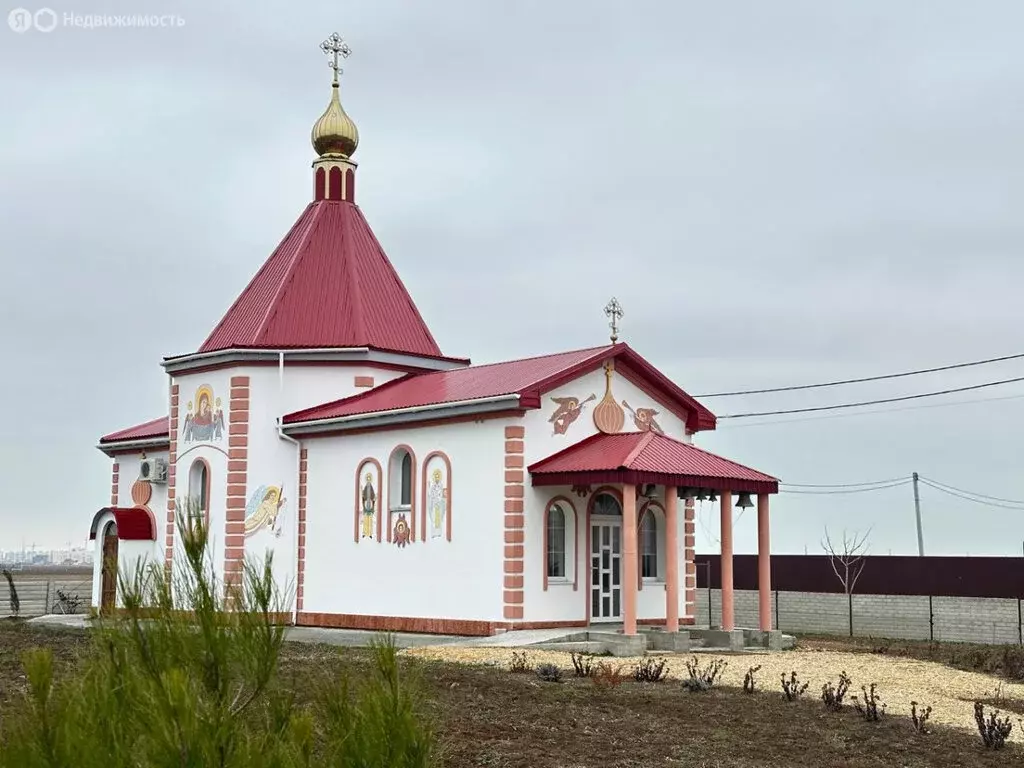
x: 488, y: 717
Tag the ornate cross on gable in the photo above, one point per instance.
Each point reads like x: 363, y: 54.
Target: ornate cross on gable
x: 614, y: 311
x: 333, y: 46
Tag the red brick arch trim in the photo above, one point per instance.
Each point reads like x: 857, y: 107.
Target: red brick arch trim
x: 565, y: 501
x: 447, y: 501
x: 359, y: 495
x: 655, y: 508
x: 412, y: 491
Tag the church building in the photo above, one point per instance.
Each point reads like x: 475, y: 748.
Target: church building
x: 403, y: 489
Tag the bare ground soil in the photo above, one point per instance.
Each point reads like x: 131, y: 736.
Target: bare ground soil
x: 487, y: 716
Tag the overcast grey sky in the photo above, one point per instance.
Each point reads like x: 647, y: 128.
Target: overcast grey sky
x: 778, y: 193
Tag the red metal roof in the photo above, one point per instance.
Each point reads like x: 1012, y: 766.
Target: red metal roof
x: 527, y: 378
x: 328, y: 284
x: 151, y: 429
x: 133, y: 523
x: 458, y: 384
x: 647, y: 457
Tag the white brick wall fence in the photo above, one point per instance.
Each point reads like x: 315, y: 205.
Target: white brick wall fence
x: 961, y: 619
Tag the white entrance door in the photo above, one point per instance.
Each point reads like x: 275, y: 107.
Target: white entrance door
x: 606, y: 570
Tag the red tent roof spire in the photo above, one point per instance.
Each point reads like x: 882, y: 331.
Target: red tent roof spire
x: 329, y: 282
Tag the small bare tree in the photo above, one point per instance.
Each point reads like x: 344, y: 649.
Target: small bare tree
x: 847, y: 562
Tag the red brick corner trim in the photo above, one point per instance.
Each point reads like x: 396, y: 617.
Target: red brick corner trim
x: 359, y: 496
x: 238, y: 474
x: 114, y: 475
x: 448, y: 497
x: 363, y: 381
x: 690, y: 569
x: 300, y: 566
x: 514, y: 521
x: 172, y: 472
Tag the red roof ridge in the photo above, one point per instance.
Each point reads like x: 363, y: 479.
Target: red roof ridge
x: 294, y: 416
x: 145, y: 430
x: 638, y: 448
x: 605, y: 347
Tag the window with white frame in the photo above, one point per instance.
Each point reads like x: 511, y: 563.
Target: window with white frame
x: 649, y: 545
x: 556, y: 554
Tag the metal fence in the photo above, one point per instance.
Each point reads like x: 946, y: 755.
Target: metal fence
x: 44, y: 593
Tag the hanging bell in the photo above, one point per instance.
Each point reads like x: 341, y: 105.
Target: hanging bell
x: 712, y: 496
x: 702, y: 495
x: 684, y: 493
x: 649, y: 490
x: 744, y: 501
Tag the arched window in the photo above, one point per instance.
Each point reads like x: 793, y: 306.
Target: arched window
x: 406, y: 491
x: 606, y: 504
x: 556, y: 542
x: 649, y: 545
x: 199, y: 490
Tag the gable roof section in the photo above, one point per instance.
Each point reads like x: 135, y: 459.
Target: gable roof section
x: 328, y: 284
x: 647, y: 457
x: 150, y: 430
x: 526, y: 379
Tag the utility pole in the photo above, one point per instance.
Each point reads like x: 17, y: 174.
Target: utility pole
x: 917, y: 513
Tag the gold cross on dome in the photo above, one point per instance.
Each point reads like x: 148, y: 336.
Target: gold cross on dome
x: 614, y: 311
x: 333, y: 46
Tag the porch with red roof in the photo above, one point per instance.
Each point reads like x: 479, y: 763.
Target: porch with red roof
x: 636, y: 462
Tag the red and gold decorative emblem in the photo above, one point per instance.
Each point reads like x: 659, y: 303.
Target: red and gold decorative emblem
x: 401, y: 534
x: 142, y: 492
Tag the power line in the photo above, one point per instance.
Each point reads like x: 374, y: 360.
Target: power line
x: 970, y: 493
x: 872, y: 402
x: 864, y: 379
x: 844, y: 485
x: 875, y: 412
x: 850, y: 490
x: 970, y: 498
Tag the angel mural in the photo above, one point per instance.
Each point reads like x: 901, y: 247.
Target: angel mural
x: 207, y: 422
x: 569, y: 409
x: 264, y: 509
x: 402, y: 533
x: 643, y: 419
x: 437, y: 498
x: 368, y: 512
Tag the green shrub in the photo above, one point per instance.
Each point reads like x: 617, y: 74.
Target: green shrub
x: 187, y: 675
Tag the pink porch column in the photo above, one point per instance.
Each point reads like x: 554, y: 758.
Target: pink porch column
x: 764, y: 568
x: 727, y: 611
x: 672, y: 566
x: 630, y: 564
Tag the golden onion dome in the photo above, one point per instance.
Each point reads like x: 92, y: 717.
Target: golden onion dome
x: 335, y: 133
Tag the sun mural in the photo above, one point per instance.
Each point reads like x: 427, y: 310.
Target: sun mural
x: 206, y: 421
x: 264, y: 509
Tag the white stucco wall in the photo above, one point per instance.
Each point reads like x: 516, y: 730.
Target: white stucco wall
x: 457, y: 579
x: 271, y: 461
x: 541, y: 440
x: 128, y: 472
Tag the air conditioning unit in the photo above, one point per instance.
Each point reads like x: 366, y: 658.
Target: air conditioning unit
x: 154, y: 470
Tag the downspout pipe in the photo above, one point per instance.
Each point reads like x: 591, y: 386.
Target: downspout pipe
x: 298, y: 471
